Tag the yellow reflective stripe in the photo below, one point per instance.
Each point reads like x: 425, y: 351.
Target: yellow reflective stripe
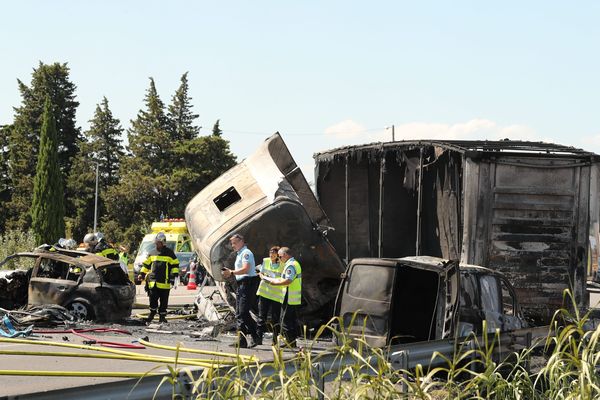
x: 144, y: 270
x: 106, y: 252
x: 161, y: 285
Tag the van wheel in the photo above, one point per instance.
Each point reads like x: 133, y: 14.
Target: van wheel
x: 80, y: 310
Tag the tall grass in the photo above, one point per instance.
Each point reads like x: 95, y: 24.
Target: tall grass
x: 13, y: 242
x: 570, y: 355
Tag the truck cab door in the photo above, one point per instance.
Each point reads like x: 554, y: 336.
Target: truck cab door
x: 451, y: 298
x: 364, y: 299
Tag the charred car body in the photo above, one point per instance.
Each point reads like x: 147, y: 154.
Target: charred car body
x: 413, y: 299
x: 89, y: 286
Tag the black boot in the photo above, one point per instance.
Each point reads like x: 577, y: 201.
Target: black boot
x: 162, y: 318
x: 151, y: 316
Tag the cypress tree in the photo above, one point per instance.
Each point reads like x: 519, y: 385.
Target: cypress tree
x: 217, y: 129
x: 47, y: 208
x: 48, y: 80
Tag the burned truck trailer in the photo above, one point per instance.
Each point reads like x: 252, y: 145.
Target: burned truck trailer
x: 527, y: 209
x: 267, y: 199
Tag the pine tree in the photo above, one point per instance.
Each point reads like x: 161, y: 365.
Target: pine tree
x: 217, y: 129
x: 102, y: 145
x: 50, y: 80
x: 180, y: 114
x: 47, y: 208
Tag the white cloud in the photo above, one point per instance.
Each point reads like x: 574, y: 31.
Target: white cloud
x: 347, y: 129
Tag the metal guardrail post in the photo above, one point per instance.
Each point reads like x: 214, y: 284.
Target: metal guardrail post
x: 318, y: 371
x: 400, y: 363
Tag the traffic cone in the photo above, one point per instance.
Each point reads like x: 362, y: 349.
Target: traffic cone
x: 192, y: 279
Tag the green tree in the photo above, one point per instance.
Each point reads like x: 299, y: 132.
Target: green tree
x: 144, y: 187
x: 102, y: 145
x: 48, y: 80
x: 180, y: 114
x: 217, y: 129
x: 47, y: 208
x: 5, y: 187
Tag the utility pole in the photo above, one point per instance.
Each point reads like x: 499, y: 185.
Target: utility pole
x: 96, y: 199
x: 393, y: 132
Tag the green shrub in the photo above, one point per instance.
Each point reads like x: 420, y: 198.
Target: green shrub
x: 14, y: 242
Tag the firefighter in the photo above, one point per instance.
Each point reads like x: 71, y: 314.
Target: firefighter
x: 104, y: 249
x: 89, y: 241
x: 270, y: 297
x: 159, y: 272
x: 291, y: 280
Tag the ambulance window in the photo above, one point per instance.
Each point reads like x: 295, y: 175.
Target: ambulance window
x: 227, y: 198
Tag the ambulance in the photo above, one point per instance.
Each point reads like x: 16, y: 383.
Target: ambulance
x: 178, y: 240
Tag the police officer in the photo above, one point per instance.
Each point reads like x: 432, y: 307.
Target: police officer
x: 291, y: 280
x: 247, y: 281
x: 270, y: 297
x: 160, y: 270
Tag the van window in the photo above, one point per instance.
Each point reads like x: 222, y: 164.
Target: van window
x: 490, y: 300
x: 148, y: 247
x: 508, y: 301
x: 186, y: 246
x: 227, y: 198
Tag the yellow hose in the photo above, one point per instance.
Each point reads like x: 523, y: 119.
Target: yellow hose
x: 144, y: 315
x: 155, y: 358
x: 84, y: 374
x: 142, y: 358
x: 199, y: 351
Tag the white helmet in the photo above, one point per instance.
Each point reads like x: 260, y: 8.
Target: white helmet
x: 90, y: 238
x: 99, y: 236
x: 160, y: 237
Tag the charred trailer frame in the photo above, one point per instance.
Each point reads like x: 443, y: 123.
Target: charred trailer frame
x: 527, y: 209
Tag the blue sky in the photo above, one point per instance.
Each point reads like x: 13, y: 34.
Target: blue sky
x: 326, y: 73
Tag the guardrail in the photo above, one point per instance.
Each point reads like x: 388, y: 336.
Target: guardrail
x: 401, y: 357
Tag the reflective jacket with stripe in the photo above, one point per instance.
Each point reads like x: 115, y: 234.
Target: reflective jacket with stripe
x: 161, y: 268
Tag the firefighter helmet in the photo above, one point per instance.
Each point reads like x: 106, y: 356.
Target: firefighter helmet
x: 160, y: 237
x: 90, y: 238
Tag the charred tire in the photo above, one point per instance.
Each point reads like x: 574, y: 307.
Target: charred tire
x: 81, y: 310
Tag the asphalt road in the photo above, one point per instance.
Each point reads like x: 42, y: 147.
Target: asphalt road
x: 180, y: 330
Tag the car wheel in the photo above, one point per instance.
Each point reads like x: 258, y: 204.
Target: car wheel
x: 80, y: 310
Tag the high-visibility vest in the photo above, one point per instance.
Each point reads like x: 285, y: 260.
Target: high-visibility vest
x: 265, y: 289
x: 294, y: 289
x: 109, y: 252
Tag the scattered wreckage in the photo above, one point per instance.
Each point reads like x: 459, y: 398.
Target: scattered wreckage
x: 87, y: 285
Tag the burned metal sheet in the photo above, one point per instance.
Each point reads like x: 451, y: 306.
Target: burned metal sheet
x: 528, y: 209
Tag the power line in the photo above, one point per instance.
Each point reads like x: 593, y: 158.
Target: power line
x: 302, y: 134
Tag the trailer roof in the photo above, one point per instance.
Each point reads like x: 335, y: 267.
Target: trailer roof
x: 470, y: 146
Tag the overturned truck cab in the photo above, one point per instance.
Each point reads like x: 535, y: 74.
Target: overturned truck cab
x: 267, y: 199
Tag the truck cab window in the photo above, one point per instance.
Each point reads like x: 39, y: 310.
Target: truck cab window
x: 227, y: 198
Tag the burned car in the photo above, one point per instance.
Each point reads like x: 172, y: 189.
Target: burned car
x: 89, y: 286
x: 412, y: 299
